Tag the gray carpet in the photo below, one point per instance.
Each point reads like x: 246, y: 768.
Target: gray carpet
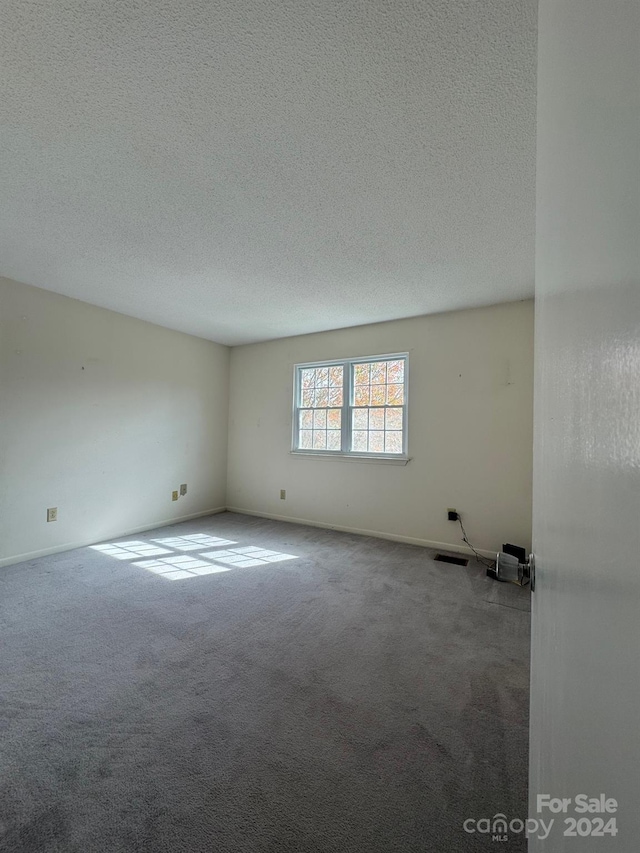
x: 360, y: 698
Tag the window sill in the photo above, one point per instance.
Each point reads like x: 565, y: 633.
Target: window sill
x: 352, y: 457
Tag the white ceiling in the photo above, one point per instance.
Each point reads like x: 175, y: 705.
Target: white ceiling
x: 250, y: 169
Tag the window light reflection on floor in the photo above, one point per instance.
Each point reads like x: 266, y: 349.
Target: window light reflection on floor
x: 177, y: 566
x: 249, y: 556
x: 195, y: 542
x: 130, y: 550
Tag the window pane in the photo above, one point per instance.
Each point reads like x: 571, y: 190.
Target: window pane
x: 379, y: 383
x: 395, y: 395
x: 306, y: 419
x: 322, y: 376
x: 320, y: 419
x: 308, y: 378
x: 334, y: 440
x: 321, y: 387
x: 393, y: 442
x: 378, y: 395
x: 376, y: 418
x: 361, y: 419
x: 379, y: 373
x: 335, y: 396
x: 377, y: 430
x: 306, y: 439
x: 334, y: 419
x: 322, y: 397
x: 376, y: 442
x: 361, y: 374
x: 336, y: 376
x: 393, y: 418
x: 362, y: 395
x: 395, y: 372
x: 319, y: 440
x: 359, y: 440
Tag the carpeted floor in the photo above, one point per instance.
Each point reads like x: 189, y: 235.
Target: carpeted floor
x: 358, y: 699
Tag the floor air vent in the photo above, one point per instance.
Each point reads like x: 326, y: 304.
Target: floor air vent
x: 448, y: 558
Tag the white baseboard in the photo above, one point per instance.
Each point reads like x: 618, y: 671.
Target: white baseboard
x: 69, y: 546
x: 394, y: 537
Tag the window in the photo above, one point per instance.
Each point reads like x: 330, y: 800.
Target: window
x: 353, y: 407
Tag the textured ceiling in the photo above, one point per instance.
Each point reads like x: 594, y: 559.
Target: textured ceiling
x: 250, y: 169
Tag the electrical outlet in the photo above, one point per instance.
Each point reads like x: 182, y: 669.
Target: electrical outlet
x: 174, y: 495
x: 183, y: 489
x: 283, y: 494
x: 52, y: 513
x: 452, y: 514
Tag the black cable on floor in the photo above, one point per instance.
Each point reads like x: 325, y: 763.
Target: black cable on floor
x: 488, y: 563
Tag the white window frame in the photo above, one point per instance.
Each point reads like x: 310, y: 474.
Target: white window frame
x: 348, y: 407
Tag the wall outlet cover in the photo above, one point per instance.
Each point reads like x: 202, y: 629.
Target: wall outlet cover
x: 183, y: 489
x: 283, y: 494
x: 174, y: 495
x: 52, y: 513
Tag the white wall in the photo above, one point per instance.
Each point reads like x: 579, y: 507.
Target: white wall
x: 585, y: 688
x: 470, y: 431
x: 102, y: 416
